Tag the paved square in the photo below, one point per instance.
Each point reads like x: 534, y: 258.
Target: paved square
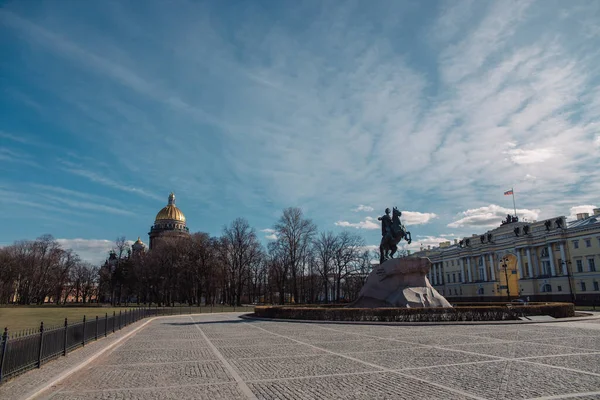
x: 224, y: 357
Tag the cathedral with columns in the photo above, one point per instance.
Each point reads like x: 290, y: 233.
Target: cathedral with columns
x: 540, y: 261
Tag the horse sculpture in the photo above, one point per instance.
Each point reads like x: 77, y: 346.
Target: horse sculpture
x: 395, y: 233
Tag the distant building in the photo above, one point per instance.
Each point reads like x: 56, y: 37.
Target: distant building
x: 168, y: 220
x: 542, y: 261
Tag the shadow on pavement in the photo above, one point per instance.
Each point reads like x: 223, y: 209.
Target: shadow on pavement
x: 205, y: 322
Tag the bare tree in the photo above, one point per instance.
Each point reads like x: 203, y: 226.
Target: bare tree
x: 294, y: 235
x: 325, y: 247
x: 240, y: 249
x: 346, y: 258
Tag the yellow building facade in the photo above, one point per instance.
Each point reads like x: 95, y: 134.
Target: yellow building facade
x: 546, y: 260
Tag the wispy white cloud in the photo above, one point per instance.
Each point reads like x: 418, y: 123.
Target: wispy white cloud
x: 490, y: 216
x: 271, y: 234
x: 331, y: 112
x: 416, y: 217
x: 103, y: 180
x: 12, y: 156
x: 573, y: 211
x: 368, y: 223
x: 94, y: 251
x: 362, y: 207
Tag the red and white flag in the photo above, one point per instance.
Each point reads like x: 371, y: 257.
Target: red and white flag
x: 508, y: 193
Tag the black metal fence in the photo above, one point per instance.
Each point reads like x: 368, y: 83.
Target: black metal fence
x: 27, y: 350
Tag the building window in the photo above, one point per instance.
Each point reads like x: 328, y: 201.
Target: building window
x: 480, y: 290
x: 557, y: 247
x: 575, y: 244
x: 546, y: 288
x: 480, y: 261
x: 481, y: 276
x: 460, y: 291
x: 460, y: 277
x: 448, y: 275
x: 579, y: 265
x: 452, y: 263
x: 559, y: 288
x: 546, y: 268
x: 592, y: 265
x: 456, y: 292
x: 583, y: 286
x: 588, y: 243
x: 545, y: 252
x: 453, y: 278
x: 596, y: 286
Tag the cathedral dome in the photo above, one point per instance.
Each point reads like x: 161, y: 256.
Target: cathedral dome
x: 171, y: 212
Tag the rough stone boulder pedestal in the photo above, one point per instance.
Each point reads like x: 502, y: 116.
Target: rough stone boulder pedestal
x: 400, y: 282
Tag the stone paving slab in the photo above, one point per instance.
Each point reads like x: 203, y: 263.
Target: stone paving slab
x: 150, y: 355
x: 515, y: 349
x: 229, y: 391
x: 418, y: 358
x: 585, y: 342
x: 509, y: 380
x: 374, y: 386
x: 149, y: 375
x: 220, y: 356
x: 581, y: 362
x: 295, y: 367
x: 136, y: 344
x: 268, y: 351
x: 362, y: 345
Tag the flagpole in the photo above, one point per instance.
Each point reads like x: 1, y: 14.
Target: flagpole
x: 513, y: 196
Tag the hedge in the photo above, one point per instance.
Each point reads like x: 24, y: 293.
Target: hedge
x: 480, y: 312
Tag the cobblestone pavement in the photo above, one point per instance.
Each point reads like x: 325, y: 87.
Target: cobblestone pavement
x: 223, y: 357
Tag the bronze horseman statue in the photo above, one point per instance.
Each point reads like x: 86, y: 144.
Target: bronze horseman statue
x: 392, y: 232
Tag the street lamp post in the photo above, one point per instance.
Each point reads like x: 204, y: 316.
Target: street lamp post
x: 505, y: 266
x: 567, y: 264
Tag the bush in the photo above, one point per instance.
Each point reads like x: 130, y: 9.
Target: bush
x: 494, y: 312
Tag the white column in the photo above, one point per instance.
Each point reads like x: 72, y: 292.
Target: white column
x: 563, y: 258
x: 529, y: 263
x: 430, y: 274
x: 469, y: 269
x: 484, y: 268
x: 463, y: 273
x: 519, y: 263
x: 492, y: 268
x: 435, y: 274
x: 536, y: 262
x: 551, y: 255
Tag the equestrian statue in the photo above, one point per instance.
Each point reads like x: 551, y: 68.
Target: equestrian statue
x: 392, y: 232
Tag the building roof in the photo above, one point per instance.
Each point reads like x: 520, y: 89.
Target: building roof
x: 170, y: 211
x: 593, y: 219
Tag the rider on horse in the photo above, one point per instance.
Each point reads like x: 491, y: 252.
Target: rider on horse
x: 386, y: 224
x: 392, y: 231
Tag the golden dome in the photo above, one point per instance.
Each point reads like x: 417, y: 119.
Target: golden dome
x: 171, y: 212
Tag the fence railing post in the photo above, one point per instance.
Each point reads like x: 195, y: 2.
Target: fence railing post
x: 96, y: 338
x: 4, y: 345
x: 105, y: 324
x: 120, y: 316
x: 39, y: 361
x: 83, y: 339
x: 65, y: 338
x: 114, y: 319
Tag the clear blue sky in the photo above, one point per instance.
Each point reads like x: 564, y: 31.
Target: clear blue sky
x: 343, y: 108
